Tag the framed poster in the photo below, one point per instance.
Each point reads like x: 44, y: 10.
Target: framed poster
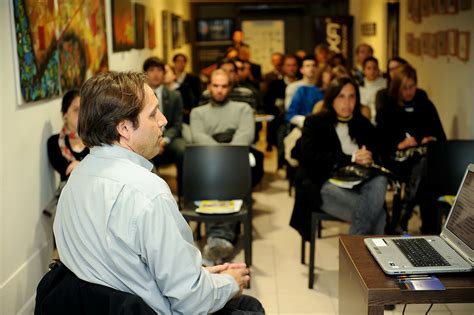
x: 187, y: 31
x: 464, y: 43
x: 417, y: 46
x: 139, y: 26
x: 442, y: 43
x: 409, y: 42
x: 433, y: 45
x: 453, y: 39
x: 425, y: 43
x: 465, y: 5
x: 441, y: 6
x: 451, y: 6
x: 165, y: 30
x: 151, y: 29
x: 176, y: 32
x: 414, y: 10
x: 426, y: 8
x: 123, y: 35
x: 56, y: 50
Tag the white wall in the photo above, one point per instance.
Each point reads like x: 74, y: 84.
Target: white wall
x: 448, y: 81
x: 26, y: 179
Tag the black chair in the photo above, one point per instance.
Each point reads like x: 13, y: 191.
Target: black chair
x: 219, y: 172
x: 446, y: 163
x: 316, y: 218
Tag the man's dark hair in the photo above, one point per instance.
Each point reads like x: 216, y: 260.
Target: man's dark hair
x: 153, y: 62
x: 106, y: 100
x: 226, y: 61
x: 67, y: 100
x: 180, y: 55
x: 369, y: 59
x: 307, y: 57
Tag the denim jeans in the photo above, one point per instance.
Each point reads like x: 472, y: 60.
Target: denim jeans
x: 225, y: 230
x: 363, y: 205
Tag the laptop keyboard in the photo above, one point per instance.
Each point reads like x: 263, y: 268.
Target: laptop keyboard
x: 420, y: 253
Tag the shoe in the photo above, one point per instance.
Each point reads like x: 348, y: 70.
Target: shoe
x: 217, y: 249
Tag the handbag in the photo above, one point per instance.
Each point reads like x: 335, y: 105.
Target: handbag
x: 353, y: 175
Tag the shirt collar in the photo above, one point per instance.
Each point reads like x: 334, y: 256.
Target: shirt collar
x: 119, y: 152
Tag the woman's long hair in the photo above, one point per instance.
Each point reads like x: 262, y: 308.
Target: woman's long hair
x: 395, y: 87
x: 328, y: 111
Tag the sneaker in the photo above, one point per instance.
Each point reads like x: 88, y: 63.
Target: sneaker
x: 217, y: 249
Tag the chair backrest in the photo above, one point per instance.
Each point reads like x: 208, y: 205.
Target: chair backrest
x: 219, y: 172
x: 447, y: 162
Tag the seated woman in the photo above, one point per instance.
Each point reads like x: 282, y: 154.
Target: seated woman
x: 336, y: 137
x: 66, y: 149
x: 406, y: 122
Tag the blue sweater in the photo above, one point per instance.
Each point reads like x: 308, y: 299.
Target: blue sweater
x: 303, y: 101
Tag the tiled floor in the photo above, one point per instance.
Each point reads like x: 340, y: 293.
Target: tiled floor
x: 279, y: 280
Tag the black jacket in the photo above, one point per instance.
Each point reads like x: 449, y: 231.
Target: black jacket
x: 62, y: 292
x: 320, y: 154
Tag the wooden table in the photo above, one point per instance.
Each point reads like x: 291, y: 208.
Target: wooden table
x: 365, y: 289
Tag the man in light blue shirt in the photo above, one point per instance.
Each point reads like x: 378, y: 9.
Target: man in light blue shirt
x: 117, y: 224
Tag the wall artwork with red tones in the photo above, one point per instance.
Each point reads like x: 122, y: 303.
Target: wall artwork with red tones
x: 58, y: 47
x: 123, y: 30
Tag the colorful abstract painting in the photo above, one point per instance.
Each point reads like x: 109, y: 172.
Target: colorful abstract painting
x: 58, y: 46
x: 122, y: 25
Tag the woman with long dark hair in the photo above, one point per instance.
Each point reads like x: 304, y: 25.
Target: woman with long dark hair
x: 339, y: 136
x: 66, y: 149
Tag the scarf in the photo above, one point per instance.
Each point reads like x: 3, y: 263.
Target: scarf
x: 65, y: 151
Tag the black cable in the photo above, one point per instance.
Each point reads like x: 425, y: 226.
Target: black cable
x: 429, y: 308
x: 403, y: 311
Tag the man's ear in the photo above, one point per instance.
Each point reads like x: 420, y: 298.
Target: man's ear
x: 124, y: 128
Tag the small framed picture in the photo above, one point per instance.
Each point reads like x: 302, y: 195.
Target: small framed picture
x: 463, y: 47
x: 465, y: 5
x: 441, y: 6
x: 433, y: 45
x: 417, y: 46
x: 442, y: 43
x: 409, y: 42
x: 452, y: 6
x: 425, y: 43
x: 416, y: 11
x: 453, y: 38
x: 425, y: 8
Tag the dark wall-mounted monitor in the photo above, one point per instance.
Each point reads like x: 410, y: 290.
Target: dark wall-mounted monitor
x: 214, y: 29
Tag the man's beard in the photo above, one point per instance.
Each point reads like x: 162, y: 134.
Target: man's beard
x: 219, y: 103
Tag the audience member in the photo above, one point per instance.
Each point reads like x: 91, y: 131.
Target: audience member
x: 373, y: 82
x: 238, y: 40
x: 118, y: 224
x: 186, y: 78
x: 275, y: 74
x: 244, y: 55
x: 300, y: 54
x: 393, y: 65
x: 171, y: 105
x: 336, y: 137
x: 363, y: 51
x: 184, y: 90
x: 291, y: 66
x: 305, y: 97
x: 66, y: 149
x: 321, y: 53
x: 337, y: 60
x: 222, y: 120
x: 407, y: 121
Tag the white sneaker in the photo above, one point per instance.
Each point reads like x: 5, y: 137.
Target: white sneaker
x: 217, y: 249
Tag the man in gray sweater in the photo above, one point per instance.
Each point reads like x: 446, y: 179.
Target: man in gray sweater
x: 221, y: 120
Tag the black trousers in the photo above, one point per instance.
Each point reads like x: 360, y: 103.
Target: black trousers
x: 243, y: 305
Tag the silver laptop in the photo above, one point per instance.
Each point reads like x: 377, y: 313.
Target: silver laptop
x: 453, y: 249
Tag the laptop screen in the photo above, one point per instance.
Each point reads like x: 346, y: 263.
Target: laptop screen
x: 461, y: 218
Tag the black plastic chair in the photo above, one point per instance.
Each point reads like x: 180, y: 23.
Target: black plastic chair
x: 316, y: 218
x: 219, y: 172
x: 447, y: 162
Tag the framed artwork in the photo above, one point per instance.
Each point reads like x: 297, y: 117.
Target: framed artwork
x: 123, y: 34
x: 464, y: 43
x: 452, y: 6
x: 433, y: 45
x: 165, y: 30
x: 56, y: 49
x: 187, y: 31
x: 442, y: 43
x: 151, y: 29
x: 409, y: 42
x: 417, y: 46
x: 139, y: 25
x: 425, y: 43
x: 176, y: 32
x: 465, y: 5
x: 426, y: 8
x: 441, y: 6
x: 453, y: 39
x: 416, y: 13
